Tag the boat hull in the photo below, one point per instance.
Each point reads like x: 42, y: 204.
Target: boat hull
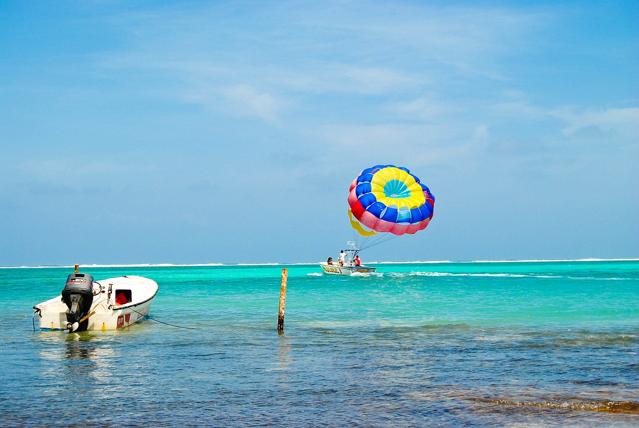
x: 346, y: 270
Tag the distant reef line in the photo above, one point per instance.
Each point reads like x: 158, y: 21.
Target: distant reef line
x: 417, y: 262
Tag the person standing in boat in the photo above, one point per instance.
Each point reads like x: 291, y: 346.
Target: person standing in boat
x: 357, y: 261
x: 342, y: 258
x: 329, y: 261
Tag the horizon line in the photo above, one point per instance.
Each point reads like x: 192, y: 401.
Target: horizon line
x: 216, y: 264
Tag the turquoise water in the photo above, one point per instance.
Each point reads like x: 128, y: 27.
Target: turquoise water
x: 495, y: 344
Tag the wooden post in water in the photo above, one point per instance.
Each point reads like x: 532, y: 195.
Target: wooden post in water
x: 280, y: 317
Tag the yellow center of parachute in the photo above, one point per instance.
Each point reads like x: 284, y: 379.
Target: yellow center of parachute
x: 383, y: 176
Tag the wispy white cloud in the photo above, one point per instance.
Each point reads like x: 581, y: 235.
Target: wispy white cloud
x: 372, y: 80
x: 408, y: 73
x: 463, y: 39
x: 355, y: 48
x: 239, y: 100
x: 516, y: 104
x: 399, y: 142
x: 623, y: 122
x: 422, y: 108
x: 72, y: 168
x: 249, y: 101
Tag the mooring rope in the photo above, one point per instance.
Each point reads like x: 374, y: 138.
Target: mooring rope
x: 163, y: 322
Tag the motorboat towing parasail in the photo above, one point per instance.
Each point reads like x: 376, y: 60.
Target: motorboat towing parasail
x: 86, y: 304
x: 346, y: 265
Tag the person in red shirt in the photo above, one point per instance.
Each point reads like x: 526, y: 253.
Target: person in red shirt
x: 357, y: 261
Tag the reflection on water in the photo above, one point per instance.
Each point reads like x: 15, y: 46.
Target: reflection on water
x: 283, y: 351
x: 284, y: 362
x: 78, y: 345
x: 79, y: 361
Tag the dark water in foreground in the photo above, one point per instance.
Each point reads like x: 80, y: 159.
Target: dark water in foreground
x: 497, y: 344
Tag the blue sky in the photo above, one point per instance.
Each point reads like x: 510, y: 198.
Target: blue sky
x: 229, y: 131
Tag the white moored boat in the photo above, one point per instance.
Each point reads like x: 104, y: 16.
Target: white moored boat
x: 109, y: 304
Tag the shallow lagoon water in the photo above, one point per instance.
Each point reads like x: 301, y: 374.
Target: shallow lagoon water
x: 495, y: 344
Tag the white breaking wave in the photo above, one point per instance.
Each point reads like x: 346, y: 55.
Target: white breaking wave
x: 414, y: 262
x: 551, y: 260
x: 503, y: 275
x: 95, y: 265
x: 257, y: 264
x: 367, y: 274
x: 130, y: 265
x: 315, y: 274
x: 423, y: 262
x: 481, y: 275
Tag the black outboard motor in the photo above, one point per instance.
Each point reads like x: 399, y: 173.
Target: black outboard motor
x: 78, y: 296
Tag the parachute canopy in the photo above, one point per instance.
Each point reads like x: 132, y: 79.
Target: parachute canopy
x: 388, y: 198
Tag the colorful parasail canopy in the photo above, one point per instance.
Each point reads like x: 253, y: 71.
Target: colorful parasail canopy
x: 387, y: 198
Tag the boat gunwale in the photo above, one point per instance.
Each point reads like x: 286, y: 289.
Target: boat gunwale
x: 132, y: 305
